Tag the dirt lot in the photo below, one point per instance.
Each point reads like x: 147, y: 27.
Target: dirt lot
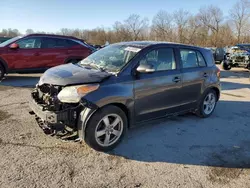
x: 183, y: 151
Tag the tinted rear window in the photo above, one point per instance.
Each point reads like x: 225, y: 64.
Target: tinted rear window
x: 209, y: 58
x: 58, y: 43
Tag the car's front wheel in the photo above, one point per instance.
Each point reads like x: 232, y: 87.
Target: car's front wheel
x: 2, y: 72
x: 106, y: 128
x: 207, y: 104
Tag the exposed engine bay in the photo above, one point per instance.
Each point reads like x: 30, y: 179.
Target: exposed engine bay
x: 46, y: 95
x: 61, y: 118
x: 239, y: 56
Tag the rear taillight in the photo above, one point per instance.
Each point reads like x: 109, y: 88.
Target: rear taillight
x: 218, y: 72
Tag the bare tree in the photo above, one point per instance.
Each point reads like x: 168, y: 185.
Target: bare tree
x: 9, y: 32
x: 226, y: 36
x: 121, y: 33
x: 136, y: 26
x: 211, y: 17
x: 29, y: 31
x: 66, y: 31
x: 163, y: 26
x: 239, y: 15
x: 192, y: 30
x: 181, y: 19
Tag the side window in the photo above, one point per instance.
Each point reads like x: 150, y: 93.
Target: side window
x: 189, y: 58
x: 57, y: 43
x: 160, y: 59
x: 49, y: 43
x: 61, y: 43
x: 29, y: 43
x: 201, y: 60
x: 72, y: 43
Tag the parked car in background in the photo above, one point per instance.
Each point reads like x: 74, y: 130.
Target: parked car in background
x: 38, y: 52
x: 123, y: 85
x: 218, y: 54
x: 237, y: 56
x: 3, y: 39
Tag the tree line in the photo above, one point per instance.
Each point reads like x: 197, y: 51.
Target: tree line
x: 209, y: 27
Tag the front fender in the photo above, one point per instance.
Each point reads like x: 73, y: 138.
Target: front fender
x: 120, y: 94
x: 114, y: 93
x: 83, y: 120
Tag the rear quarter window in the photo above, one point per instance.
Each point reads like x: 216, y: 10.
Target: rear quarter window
x: 209, y: 58
x: 72, y: 43
x: 201, y: 60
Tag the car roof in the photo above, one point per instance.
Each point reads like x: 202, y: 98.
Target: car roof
x: 144, y: 44
x: 53, y: 35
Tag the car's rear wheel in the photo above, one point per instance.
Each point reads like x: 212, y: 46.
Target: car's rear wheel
x: 2, y: 71
x: 207, y: 104
x: 106, y: 128
x: 225, y: 66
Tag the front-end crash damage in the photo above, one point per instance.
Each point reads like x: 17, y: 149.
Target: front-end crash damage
x: 58, y: 118
x: 239, y: 56
x: 58, y: 100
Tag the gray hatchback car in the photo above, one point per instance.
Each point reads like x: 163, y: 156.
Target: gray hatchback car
x: 123, y: 85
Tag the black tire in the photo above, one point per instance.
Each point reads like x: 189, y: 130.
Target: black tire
x: 200, y: 110
x: 2, y: 71
x: 225, y: 66
x: 90, y: 132
x: 247, y: 67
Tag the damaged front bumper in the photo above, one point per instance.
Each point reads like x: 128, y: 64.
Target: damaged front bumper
x: 67, y: 116
x: 61, y: 123
x: 68, y: 121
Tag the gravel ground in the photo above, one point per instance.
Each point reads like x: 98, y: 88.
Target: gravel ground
x: 184, y: 151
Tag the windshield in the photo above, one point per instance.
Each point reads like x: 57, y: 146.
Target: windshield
x: 7, y: 42
x: 111, y: 58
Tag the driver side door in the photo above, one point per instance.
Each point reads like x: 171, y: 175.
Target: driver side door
x: 27, y: 56
x: 158, y: 93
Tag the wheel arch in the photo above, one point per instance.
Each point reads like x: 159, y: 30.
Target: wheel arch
x: 4, y: 64
x: 86, y: 115
x: 216, y: 89
x: 217, y: 92
x: 122, y: 107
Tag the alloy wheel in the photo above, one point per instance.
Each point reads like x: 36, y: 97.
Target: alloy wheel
x: 109, y: 130
x: 209, y: 103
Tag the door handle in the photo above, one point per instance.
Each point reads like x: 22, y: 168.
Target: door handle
x: 36, y: 54
x: 176, y: 79
x: 205, y: 75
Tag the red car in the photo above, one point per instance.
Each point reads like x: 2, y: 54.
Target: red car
x: 38, y: 52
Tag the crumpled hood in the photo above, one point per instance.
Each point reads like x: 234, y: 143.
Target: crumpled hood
x: 70, y: 74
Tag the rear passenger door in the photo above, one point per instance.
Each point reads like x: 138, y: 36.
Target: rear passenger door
x: 77, y: 49
x: 54, y: 51
x: 194, y: 73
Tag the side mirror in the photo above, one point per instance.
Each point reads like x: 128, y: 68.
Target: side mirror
x: 145, y: 69
x: 14, y: 46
